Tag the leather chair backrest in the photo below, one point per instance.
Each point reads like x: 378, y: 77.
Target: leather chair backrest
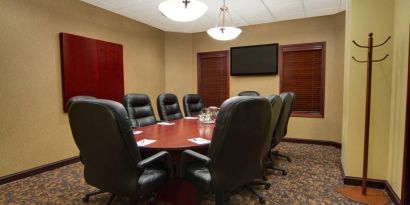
x: 288, y: 99
x: 168, y: 107
x: 192, y: 105
x: 276, y: 103
x: 240, y: 134
x: 139, y: 109
x: 248, y: 93
x: 79, y: 98
x: 103, y: 134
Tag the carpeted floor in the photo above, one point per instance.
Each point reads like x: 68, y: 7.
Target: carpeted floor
x: 313, y: 175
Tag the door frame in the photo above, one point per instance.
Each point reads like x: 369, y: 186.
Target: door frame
x: 405, y: 192
x: 214, y: 54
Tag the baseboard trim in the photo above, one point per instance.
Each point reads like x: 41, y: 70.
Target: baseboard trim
x: 311, y: 141
x: 373, y: 183
x: 38, y: 170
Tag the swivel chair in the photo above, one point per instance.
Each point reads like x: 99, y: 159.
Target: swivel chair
x: 192, y: 105
x: 288, y: 99
x: 243, y: 123
x: 168, y: 107
x: 248, y: 93
x: 112, y: 162
x: 139, y: 109
x: 276, y: 103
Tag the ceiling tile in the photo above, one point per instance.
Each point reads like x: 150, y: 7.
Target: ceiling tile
x: 243, y: 12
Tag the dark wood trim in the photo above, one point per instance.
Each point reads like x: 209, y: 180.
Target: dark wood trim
x: 393, y: 196
x: 307, y: 114
x: 305, y: 47
x: 224, y: 53
x: 373, y: 183
x: 311, y: 141
x: 357, y: 181
x: 405, y: 191
x: 38, y: 170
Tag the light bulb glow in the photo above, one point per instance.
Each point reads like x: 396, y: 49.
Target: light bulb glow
x: 224, y: 33
x: 177, y: 11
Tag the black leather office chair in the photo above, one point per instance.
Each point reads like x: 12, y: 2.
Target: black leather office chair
x: 276, y: 104
x: 288, y: 100
x: 112, y: 162
x: 139, y: 109
x: 248, y: 93
x: 192, y: 105
x: 78, y: 98
x: 69, y: 103
x: 236, y: 152
x: 168, y: 107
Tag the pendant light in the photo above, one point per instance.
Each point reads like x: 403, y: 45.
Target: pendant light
x: 222, y: 32
x: 182, y: 10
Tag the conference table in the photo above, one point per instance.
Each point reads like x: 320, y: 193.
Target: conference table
x: 175, y: 137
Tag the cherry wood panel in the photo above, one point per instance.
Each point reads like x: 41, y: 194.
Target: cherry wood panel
x: 303, y: 72
x: 405, y: 195
x: 175, y: 137
x: 91, y: 67
x: 213, y: 77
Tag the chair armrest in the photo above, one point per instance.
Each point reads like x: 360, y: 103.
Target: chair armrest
x: 197, y: 157
x: 156, y: 157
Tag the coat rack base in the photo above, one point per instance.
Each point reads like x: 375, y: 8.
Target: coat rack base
x: 373, y: 197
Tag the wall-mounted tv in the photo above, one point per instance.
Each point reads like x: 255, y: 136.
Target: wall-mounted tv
x: 255, y: 60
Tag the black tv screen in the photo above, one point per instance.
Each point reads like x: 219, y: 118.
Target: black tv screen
x: 255, y: 60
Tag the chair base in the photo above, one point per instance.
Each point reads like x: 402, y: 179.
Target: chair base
x: 221, y: 198
x: 271, y: 165
x: 258, y: 194
x: 276, y: 153
x: 87, y: 197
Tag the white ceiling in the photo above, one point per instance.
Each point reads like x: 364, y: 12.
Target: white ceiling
x: 243, y: 12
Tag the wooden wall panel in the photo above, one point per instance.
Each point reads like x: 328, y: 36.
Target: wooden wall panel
x: 91, y: 67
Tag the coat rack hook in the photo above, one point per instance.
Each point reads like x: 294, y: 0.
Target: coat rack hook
x: 359, y: 45
x: 387, y: 55
x: 358, y: 60
x: 383, y: 42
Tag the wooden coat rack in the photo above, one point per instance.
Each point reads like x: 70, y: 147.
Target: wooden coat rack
x: 375, y: 196
x: 368, y: 95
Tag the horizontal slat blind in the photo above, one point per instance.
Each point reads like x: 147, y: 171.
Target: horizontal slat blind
x: 213, y: 77
x: 302, y: 73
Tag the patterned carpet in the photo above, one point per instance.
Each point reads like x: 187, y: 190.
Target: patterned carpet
x: 313, y: 175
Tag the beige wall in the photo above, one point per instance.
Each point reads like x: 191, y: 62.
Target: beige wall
x: 379, y: 21
x: 386, y: 18
x: 399, y: 93
x: 179, y: 78
x: 327, y: 28
x: 33, y: 129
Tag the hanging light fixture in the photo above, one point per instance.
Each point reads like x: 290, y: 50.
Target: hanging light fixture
x: 182, y: 10
x: 222, y: 32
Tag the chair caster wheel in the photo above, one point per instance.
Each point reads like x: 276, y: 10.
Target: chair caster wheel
x: 289, y: 160
x: 284, y: 173
x: 86, y: 199
x: 262, y: 201
x: 267, y: 186
x: 265, y: 178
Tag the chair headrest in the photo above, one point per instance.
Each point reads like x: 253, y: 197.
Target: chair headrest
x: 167, y: 98
x: 192, y: 98
x: 137, y: 99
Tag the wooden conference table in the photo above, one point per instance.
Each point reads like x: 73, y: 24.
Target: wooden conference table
x: 174, y: 138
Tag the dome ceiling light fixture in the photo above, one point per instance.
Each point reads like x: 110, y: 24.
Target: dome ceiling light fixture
x: 221, y: 32
x: 182, y: 10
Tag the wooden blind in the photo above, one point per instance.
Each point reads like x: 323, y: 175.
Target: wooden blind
x: 213, y: 77
x: 302, y: 72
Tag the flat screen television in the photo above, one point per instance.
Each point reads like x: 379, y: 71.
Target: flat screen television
x: 254, y: 60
